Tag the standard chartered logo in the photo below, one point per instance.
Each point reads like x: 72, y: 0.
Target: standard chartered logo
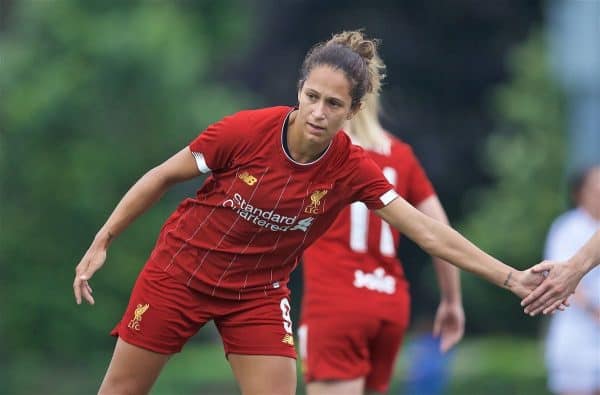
x: 376, y: 281
x: 267, y: 219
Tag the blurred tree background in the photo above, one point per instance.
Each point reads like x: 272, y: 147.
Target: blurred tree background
x: 525, y: 156
x: 94, y: 93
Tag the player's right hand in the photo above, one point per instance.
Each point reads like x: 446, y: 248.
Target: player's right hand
x: 92, y: 261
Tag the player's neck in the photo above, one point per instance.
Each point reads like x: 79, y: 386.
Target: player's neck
x: 299, y: 148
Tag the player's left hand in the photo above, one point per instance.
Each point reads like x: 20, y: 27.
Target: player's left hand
x: 449, y: 324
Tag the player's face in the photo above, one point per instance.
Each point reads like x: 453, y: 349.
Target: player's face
x: 591, y: 191
x: 324, y: 104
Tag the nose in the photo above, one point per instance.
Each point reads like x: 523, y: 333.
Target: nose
x: 319, y: 110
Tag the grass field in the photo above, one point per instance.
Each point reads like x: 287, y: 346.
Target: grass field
x: 481, y: 366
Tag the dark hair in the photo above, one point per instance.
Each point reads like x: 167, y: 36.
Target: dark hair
x: 352, y: 53
x: 577, y: 181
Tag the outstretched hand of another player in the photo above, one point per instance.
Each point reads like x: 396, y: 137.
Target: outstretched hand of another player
x: 553, y: 293
x: 449, y: 324
x: 90, y: 263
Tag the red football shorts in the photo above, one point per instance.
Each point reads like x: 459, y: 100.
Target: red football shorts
x: 164, y: 313
x: 346, y: 347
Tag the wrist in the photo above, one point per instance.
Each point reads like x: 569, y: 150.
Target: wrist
x: 507, y: 280
x: 581, y: 265
x: 511, y: 280
x: 451, y: 298
x: 103, y: 238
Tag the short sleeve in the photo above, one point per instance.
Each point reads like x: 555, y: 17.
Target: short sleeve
x: 216, y: 147
x: 419, y: 187
x: 370, y: 185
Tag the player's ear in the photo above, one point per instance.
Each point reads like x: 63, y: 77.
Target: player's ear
x: 300, y: 85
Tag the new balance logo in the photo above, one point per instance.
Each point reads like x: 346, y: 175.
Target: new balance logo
x: 247, y: 178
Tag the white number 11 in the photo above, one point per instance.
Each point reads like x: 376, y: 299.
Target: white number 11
x: 359, y: 225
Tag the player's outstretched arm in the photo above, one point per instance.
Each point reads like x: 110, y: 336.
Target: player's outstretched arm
x: 444, y: 242
x: 141, y: 196
x: 449, y: 321
x: 563, y: 278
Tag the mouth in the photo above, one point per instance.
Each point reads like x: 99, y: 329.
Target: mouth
x: 316, y: 128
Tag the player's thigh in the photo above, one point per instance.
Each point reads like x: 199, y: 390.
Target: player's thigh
x: 132, y: 370
x: 336, y: 387
x: 384, y: 349
x: 264, y: 374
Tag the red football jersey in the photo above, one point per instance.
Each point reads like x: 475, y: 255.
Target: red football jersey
x: 359, y: 249
x: 259, y: 209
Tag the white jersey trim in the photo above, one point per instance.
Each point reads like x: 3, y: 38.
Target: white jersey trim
x: 201, y: 162
x: 286, y: 153
x: 388, y: 197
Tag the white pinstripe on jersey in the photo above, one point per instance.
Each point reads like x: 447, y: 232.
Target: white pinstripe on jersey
x: 186, y: 242
x: 299, y: 246
x: 235, y: 221
x: 247, y: 244
x: 274, y: 245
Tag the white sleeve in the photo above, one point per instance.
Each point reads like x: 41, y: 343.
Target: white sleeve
x: 564, y: 238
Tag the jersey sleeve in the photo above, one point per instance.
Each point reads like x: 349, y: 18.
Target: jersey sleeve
x: 419, y: 187
x: 370, y: 185
x: 218, y: 145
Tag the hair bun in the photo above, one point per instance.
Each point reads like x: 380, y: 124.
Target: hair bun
x: 367, y: 49
x: 355, y: 40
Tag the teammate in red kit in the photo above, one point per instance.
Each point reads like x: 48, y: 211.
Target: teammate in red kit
x: 278, y: 178
x: 351, y: 329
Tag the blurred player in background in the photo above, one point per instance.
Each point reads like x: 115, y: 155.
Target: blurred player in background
x: 356, y: 301
x: 573, y: 342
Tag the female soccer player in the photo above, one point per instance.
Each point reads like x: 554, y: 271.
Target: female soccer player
x: 573, y: 338
x: 351, y: 330
x: 279, y: 177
